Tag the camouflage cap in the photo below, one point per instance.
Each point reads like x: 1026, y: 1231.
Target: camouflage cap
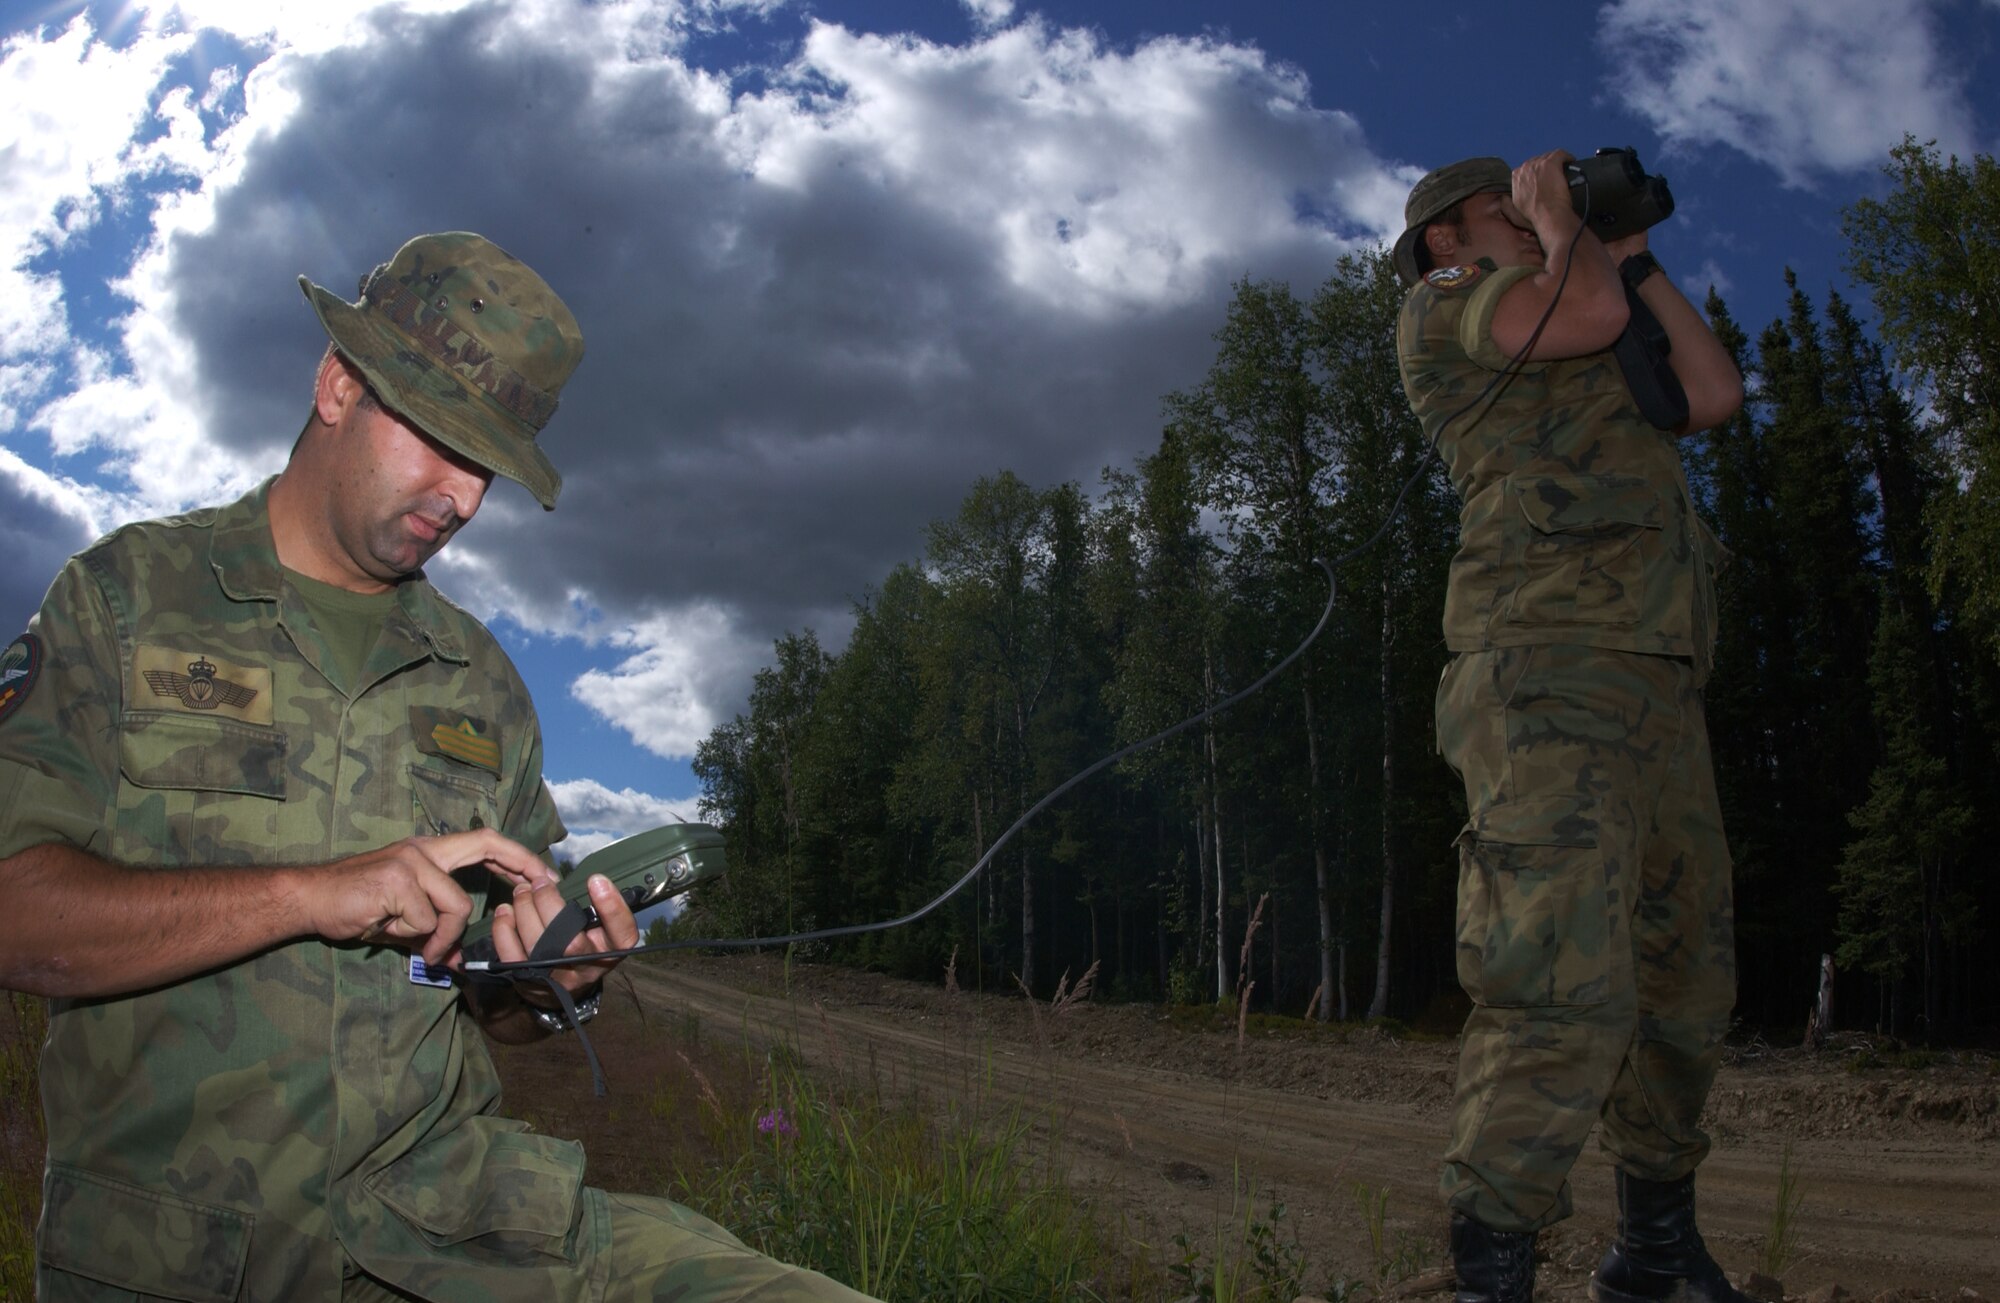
x: 1439, y: 190
x: 467, y: 343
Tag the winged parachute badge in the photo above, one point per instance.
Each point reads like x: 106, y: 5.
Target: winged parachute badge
x: 199, y: 689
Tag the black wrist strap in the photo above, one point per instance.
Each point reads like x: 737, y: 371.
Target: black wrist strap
x: 1642, y: 356
x: 1635, y: 269
x: 564, y: 928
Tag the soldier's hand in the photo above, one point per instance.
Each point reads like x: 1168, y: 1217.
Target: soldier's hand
x: 404, y: 894
x: 518, y: 926
x: 1541, y: 190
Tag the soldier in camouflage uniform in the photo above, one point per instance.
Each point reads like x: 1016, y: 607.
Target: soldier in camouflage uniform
x: 1594, y: 922
x: 242, y: 754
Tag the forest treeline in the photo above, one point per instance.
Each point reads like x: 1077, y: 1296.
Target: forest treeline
x: 1854, y: 709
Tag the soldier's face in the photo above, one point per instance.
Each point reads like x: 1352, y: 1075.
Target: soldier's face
x: 403, y: 495
x: 1494, y: 229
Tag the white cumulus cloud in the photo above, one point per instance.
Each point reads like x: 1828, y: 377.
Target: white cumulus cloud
x: 597, y: 816
x: 665, y: 693
x: 1805, y: 87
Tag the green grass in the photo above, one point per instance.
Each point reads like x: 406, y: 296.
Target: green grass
x: 23, y: 1023
x: 1781, y: 1237
x: 1909, y: 1060
x: 1249, y: 1258
x: 899, y: 1203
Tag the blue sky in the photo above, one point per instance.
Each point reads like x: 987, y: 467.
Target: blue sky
x: 833, y: 260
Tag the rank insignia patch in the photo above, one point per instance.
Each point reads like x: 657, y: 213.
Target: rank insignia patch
x: 168, y: 679
x: 1453, y: 278
x: 20, y: 666
x: 458, y: 737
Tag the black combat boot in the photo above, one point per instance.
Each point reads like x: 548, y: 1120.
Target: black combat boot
x: 1492, y: 1266
x: 1658, y: 1252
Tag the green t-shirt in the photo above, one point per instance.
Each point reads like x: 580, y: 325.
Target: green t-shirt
x: 349, y: 622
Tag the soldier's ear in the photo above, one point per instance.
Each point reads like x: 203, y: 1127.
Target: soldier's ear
x: 1442, y: 241
x: 337, y: 387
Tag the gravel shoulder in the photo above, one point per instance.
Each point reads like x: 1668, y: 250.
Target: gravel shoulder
x: 1160, y: 1124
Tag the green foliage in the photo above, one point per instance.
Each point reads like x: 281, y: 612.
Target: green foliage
x: 21, y: 1140
x: 1781, y: 1246
x: 1392, y: 1259
x: 1246, y: 1259
x: 1915, y: 825
x: 1929, y: 254
x: 900, y: 1205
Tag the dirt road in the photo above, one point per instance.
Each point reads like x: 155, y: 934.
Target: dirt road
x: 1900, y: 1170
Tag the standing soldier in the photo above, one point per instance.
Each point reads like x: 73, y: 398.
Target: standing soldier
x: 1594, y: 920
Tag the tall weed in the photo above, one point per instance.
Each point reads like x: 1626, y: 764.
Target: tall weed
x: 23, y: 1026
x: 1781, y: 1236
x: 899, y: 1204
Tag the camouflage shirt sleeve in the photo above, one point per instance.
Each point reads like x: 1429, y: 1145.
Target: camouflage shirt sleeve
x: 1475, y: 321
x: 58, y: 747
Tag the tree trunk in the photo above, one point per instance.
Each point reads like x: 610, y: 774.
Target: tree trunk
x: 1027, y: 922
x: 1201, y: 879
x: 1027, y: 874
x: 1378, y: 1007
x: 1215, y: 832
x: 1277, y: 991
x: 1820, y: 1025
x: 1221, y: 886
x: 1322, y: 882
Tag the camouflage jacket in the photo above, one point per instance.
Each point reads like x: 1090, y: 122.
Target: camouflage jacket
x: 257, y: 1131
x: 1577, y: 525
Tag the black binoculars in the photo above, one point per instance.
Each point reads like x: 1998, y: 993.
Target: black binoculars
x: 1613, y: 195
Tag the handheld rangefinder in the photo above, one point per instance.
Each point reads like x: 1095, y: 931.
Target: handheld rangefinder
x: 1613, y: 195
x: 647, y: 868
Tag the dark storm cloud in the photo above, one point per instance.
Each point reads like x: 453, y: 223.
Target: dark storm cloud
x: 790, y: 369
x: 35, y: 538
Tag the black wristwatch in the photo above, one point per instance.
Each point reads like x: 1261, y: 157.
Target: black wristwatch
x: 1635, y: 269
x: 586, y: 1009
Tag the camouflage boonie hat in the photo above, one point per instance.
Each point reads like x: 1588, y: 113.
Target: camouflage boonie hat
x: 467, y: 343
x: 1439, y: 190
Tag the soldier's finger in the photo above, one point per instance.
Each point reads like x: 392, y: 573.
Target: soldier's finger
x: 507, y: 943
x: 620, y: 930
x: 501, y: 854
x: 444, y: 937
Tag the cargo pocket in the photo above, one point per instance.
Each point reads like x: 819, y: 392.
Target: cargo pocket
x: 489, y: 1193
x: 456, y: 799
x: 1582, y: 559
x: 141, y: 1240
x: 1534, y: 923
x: 198, y: 788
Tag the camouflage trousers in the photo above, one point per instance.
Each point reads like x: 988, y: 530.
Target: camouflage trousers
x: 646, y: 1250
x: 1595, y: 932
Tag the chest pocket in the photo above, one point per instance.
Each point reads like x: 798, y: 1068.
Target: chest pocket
x: 453, y: 798
x: 1582, y: 556
x: 196, y: 788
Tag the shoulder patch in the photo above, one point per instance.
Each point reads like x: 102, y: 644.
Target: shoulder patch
x: 20, y: 666
x: 1453, y: 278
x: 457, y: 737
x: 164, y: 678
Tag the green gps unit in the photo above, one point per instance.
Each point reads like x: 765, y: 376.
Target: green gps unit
x: 647, y: 868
